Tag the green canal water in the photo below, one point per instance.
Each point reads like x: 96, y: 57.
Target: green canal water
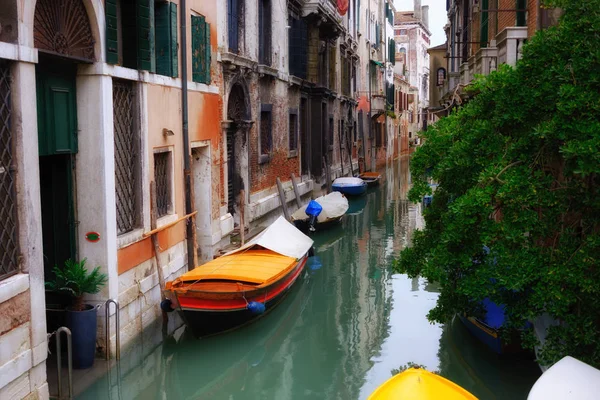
x: 338, y: 334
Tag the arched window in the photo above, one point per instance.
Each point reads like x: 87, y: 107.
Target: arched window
x: 441, y: 76
x: 401, y: 55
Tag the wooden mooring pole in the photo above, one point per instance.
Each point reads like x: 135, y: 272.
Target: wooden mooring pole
x: 286, y: 213
x: 155, y: 245
x: 296, y: 191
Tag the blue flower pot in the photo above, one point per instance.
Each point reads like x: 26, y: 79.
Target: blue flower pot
x: 83, y: 335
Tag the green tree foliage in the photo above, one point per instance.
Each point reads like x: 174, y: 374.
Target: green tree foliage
x: 518, y: 169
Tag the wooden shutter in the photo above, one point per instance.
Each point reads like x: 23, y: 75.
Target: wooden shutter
x: 484, y: 23
x: 165, y: 17
x: 112, y: 44
x: 200, y: 50
x: 162, y: 19
x: 145, y: 34
x: 174, y: 43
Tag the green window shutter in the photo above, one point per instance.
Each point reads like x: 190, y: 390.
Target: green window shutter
x: 484, y: 23
x: 200, y: 50
x: 521, y: 15
x: 207, y: 57
x: 145, y: 36
x: 112, y: 44
x: 174, y: 45
x: 162, y: 29
x: 198, y: 39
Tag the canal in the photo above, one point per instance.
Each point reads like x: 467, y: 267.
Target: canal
x: 338, y: 334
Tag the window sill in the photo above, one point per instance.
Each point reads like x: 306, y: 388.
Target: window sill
x: 13, y: 285
x: 166, y: 219
x: 125, y: 239
x: 267, y: 70
x: 293, y: 154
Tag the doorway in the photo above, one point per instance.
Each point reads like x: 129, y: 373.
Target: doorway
x: 57, y: 137
x: 202, y: 176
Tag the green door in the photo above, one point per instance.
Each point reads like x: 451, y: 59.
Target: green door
x: 57, y: 136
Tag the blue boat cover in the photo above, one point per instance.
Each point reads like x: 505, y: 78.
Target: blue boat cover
x: 494, y: 316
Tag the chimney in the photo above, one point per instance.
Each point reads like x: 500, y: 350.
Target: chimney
x: 425, y: 16
x: 417, y: 9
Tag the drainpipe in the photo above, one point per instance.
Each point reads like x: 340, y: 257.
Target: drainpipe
x: 191, y: 246
x: 370, y: 98
x: 385, y: 84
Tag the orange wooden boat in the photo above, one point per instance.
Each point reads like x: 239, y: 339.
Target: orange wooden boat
x: 371, y: 178
x: 241, y: 286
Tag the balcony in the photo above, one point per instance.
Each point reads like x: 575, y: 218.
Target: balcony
x: 377, y: 104
x: 486, y: 60
x: 325, y: 13
x: 509, y: 43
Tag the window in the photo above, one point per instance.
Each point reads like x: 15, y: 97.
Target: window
x: 264, y: 32
x: 521, y: 12
x: 163, y: 179
x: 484, y: 23
x: 235, y: 24
x: 266, y: 134
x: 378, y: 134
x: 392, y: 51
x: 441, y: 76
x: 354, y: 131
x: 165, y: 27
x: 330, y: 135
x: 341, y: 135
x: 293, y: 132
x: 402, y: 55
x: 332, y: 67
x: 360, y: 126
x: 403, y: 32
x: 298, y: 46
x: 200, y: 50
x: 9, y: 250
x: 127, y: 150
x: 130, y: 33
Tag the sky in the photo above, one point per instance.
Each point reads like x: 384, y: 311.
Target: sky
x: 437, y: 17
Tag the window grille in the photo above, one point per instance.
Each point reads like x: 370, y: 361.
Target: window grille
x: 265, y: 130
x: 330, y: 136
x: 162, y: 178
x: 126, y: 151
x: 235, y: 15
x: 293, y: 132
x: 8, y: 207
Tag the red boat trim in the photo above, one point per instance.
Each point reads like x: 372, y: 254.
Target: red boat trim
x: 196, y: 304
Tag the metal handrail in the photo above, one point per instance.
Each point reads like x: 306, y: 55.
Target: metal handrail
x: 67, y: 331
x: 117, y: 330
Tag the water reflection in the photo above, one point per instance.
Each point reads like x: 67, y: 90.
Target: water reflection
x: 344, y: 326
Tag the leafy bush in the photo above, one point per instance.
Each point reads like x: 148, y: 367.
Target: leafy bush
x: 518, y: 169
x: 75, y: 280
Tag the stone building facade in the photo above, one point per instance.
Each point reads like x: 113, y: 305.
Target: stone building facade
x: 93, y: 141
x: 485, y: 33
x: 412, y: 36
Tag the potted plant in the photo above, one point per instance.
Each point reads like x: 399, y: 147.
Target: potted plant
x: 75, y: 280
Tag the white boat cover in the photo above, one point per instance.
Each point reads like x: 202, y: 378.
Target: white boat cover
x: 348, y: 181
x: 281, y: 237
x: 567, y: 379
x: 334, y: 205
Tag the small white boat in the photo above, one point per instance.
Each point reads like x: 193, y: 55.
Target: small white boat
x: 334, y: 207
x: 349, y: 186
x: 567, y: 379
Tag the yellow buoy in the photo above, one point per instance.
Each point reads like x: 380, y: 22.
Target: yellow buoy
x: 419, y: 384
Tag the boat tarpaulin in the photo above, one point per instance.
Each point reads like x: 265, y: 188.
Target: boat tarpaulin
x: 334, y: 205
x: 281, y: 237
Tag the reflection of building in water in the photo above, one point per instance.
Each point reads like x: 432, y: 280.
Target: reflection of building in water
x: 470, y: 364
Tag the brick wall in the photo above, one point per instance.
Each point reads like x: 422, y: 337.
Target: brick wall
x: 264, y: 176
x: 506, y: 19
x: 532, y: 17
